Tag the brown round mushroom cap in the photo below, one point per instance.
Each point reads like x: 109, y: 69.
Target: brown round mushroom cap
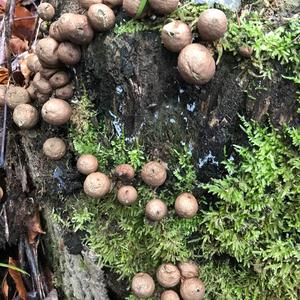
x: 142, y: 285
x: 186, y: 205
x: 156, y: 210
x: 54, y: 31
x: 164, y: 7
x: 131, y: 8
x: 245, y: 51
x: 25, y: 116
x: 212, y: 24
x: 32, y: 91
x: 125, y: 172
x: 192, y: 289
x: 169, y: 295
x: 2, y: 94
x: 46, y: 50
x: 127, y: 195
x: 41, y: 84
x: 46, y: 11
x: 195, y: 64
x: 113, y: 3
x: 75, y: 28
x: 54, y: 148
x: 42, y: 98
x: 188, y: 269
x: 68, y: 53
x: 168, y: 275
x: 16, y: 95
x: 56, y: 111
x: 66, y: 92
x: 101, y: 17
x: 176, y: 35
x: 88, y: 3
x: 59, y: 79
x: 154, y: 174
x: 87, y: 164
x: 96, y: 185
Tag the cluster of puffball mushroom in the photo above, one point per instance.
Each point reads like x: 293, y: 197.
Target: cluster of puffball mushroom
x: 153, y: 173
x: 169, y: 276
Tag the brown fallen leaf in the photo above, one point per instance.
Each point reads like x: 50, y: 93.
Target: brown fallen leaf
x: 16, y: 276
x: 17, y: 45
x: 5, y: 287
x: 34, y: 227
x: 24, y: 69
x: 3, y: 75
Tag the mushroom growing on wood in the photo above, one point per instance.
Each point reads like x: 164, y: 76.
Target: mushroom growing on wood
x: 176, y: 35
x: 156, y: 210
x: 195, y: 64
x: 87, y: 164
x: 154, y: 174
x: 168, y: 275
x: 68, y: 53
x: 25, y: 116
x: 101, y: 17
x: 212, y: 24
x: 142, y: 285
x: 54, y: 148
x: 163, y: 7
x: 56, y: 111
x: 186, y: 205
x: 192, y: 289
x: 96, y: 185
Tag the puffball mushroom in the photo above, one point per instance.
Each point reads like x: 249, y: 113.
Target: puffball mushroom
x: 142, y: 285
x: 69, y: 53
x: 156, y: 210
x: 125, y: 172
x: 46, y: 11
x: 154, y: 174
x: 87, y: 164
x: 41, y: 84
x: 163, y: 7
x: 88, y: 3
x: 101, y: 17
x: 56, y: 111
x: 42, y: 98
x: 168, y: 275
x: 31, y: 60
x: 65, y: 92
x: 113, y: 3
x: 75, y: 28
x: 188, y: 269
x: 169, y: 295
x: 186, y: 205
x: 245, y: 51
x: 54, y: 148
x: 25, y: 116
x: 96, y: 185
x: 46, y: 50
x: 176, y: 35
x: 59, y: 79
x: 127, y: 195
x: 192, y: 289
x: 54, y: 31
x: 212, y: 24
x: 196, y: 64
x: 131, y: 8
x: 16, y: 95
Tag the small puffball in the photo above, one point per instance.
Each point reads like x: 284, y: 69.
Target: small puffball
x: 56, y: 111
x: 127, y: 195
x: 59, y: 79
x: 42, y: 98
x: 25, y: 116
x: 169, y: 295
x: 168, y: 275
x: 125, y: 172
x: 131, y: 8
x: 163, y: 7
x: 142, y: 285
x: 46, y: 11
x: 188, y: 269
x: 88, y: 3
x: 54, y: 148
x: 46, y: 50
x: 41, y: 84
x: 156, y: 210
x: 186, y: 205
x: 101, y: 17
x: 113, y: 3
x: 32, y: 92
x: 154, y: 174
x: 69, y: 53
x: 192, y: 289
x: 87, y: 164
x: 66, y: 92
x: 96, y: 185
x: 16, y: 95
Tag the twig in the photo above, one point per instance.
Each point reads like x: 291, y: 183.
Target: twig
x: 5, y: 223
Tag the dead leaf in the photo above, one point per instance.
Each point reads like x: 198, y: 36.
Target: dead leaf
x: 3, y: 75
x: 24, y: 23
x: 17, y: 45
x: 16, y: 276
x: 5, y: 287
x: 24, y: 69
x: 34, y: 227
